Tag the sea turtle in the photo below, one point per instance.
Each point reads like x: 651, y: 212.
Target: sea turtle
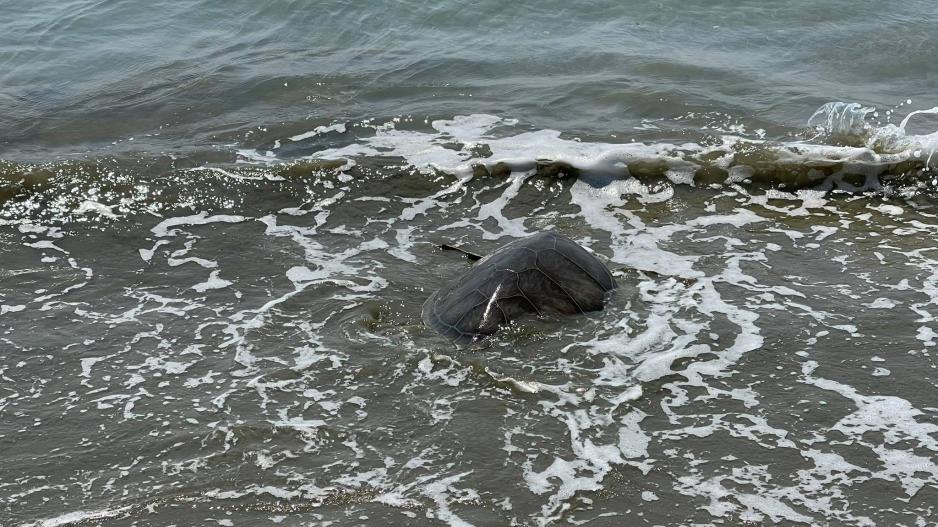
x: 544, y: 274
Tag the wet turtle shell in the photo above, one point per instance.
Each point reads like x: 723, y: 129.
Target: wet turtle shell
x: 543, y: 274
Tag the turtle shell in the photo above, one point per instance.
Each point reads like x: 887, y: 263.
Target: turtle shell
x: 543, y: 274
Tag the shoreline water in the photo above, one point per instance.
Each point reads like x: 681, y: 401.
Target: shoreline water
x: 219, y: 221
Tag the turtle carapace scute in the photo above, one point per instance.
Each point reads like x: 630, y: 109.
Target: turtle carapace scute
x: 542, y: 274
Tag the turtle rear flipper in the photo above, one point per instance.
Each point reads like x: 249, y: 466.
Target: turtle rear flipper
x: 471, y: 256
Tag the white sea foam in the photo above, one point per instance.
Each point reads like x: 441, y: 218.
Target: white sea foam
x: 78, y: 517
x: 319, y: 130
x: 98, y: 208
x: 213, y: 282
x: 165, y: 227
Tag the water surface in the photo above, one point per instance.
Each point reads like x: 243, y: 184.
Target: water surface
x: 219, y: 221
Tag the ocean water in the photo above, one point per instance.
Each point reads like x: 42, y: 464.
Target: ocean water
x: 219, y: 222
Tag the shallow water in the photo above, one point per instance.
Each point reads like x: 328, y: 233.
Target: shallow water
x: 216, y: 236
x: 79, y: 74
